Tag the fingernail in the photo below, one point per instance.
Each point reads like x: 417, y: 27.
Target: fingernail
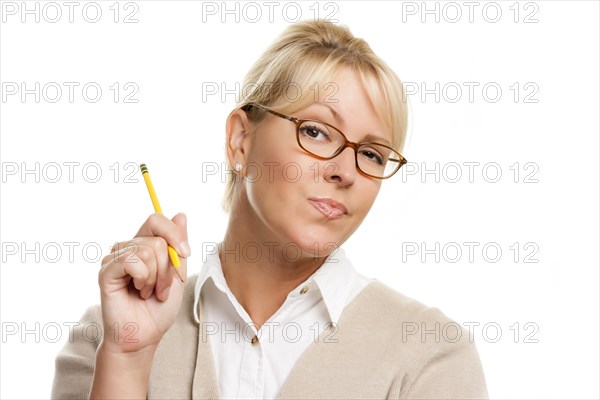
x: 184, y: 247
x: 165, y: 293
x: 144, y: 293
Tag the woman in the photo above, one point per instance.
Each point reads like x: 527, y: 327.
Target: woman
x: 278, y: 310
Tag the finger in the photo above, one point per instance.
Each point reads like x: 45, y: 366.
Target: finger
x: 122, y: 249
x: 181, y: 221
x: 148, y: 254
x: 166, y: 275
x: 130, y: 242
x: 124, y: 253
x: 159, y: 225
x: 115, y: 270
x: 162, y: 264
x: 126, y: 259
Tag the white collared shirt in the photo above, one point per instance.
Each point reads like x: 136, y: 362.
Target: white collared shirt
x: 253, y: 364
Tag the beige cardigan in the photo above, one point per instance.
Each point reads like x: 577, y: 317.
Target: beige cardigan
x: 378, y: 355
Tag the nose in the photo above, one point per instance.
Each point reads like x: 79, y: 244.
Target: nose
x: 341, y: 168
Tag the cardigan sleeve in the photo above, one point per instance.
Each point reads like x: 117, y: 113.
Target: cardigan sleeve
x: 453, y: 371
x: 75, y: 362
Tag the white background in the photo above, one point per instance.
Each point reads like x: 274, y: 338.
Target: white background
x: 174, y: 50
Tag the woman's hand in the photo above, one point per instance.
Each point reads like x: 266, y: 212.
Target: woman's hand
x: 140, y: 292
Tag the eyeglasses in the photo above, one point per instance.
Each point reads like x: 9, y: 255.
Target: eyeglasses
x: 325, y: 141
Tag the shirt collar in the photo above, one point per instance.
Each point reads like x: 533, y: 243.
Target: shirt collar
x: 334, y: 279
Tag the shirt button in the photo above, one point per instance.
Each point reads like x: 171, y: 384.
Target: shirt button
x: 304, y: 290
x: 254, y: 340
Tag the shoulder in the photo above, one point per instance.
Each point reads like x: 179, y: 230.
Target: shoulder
x: 432, y: 355
x: 402, y: 324
x: 395, y: 306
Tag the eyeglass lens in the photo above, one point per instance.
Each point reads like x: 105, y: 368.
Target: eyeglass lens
x: 324, y: 141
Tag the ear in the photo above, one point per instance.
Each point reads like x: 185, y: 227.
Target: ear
x: 238, y: 139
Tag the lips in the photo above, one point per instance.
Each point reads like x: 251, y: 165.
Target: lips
x: 329, y: 207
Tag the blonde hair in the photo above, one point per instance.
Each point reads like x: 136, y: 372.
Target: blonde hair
x: 310, y: 53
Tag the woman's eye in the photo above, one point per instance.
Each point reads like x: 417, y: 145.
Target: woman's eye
x: 313, y: 132
x: 372, y: 156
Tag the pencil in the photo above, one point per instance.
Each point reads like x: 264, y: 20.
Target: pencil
x: 172, y: 253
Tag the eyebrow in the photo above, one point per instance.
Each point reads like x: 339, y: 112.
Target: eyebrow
x: 336, y: 115
x: 340, y: 120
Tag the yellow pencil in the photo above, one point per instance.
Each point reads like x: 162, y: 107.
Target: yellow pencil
x: 156, y: 204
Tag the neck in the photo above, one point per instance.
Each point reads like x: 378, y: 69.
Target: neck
x: 260, y: 268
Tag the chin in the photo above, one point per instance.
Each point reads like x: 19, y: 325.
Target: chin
x: 315, y: 240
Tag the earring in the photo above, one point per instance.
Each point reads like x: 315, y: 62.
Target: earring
x: 238, y: 166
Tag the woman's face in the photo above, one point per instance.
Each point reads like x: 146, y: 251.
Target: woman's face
x: 282, y: 180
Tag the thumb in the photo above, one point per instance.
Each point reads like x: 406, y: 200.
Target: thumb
x: 181, y: 221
